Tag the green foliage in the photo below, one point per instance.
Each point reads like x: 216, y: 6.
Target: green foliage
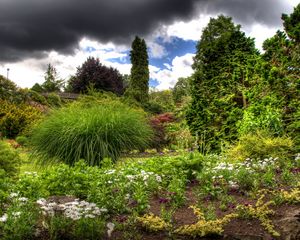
x: 36, y: 97
x: 22, y: 140
x: 8, y: 89
x: 181, y: 89
x: 260, y: 145
x: 90, y: 131
x: 138, y: 88
x: 54, y: 100
x: 179, y: 136
x: 162, y: 98
x: 261, y: 117
x: 37, y: 88
x: 5, y: 187
x: 223, y: 67
x: 16, y: 118
x: 292, y: 24
x: 52, y: 83
x: 9, y: 159
x: 21, y: 220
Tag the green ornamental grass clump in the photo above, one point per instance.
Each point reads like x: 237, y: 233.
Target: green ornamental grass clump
x: 90, y: 131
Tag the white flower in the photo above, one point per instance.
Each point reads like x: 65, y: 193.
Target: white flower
x: 13, y: 195
x: 41, y: 201
x: 110, y: 229
x: 158, y: 178
x: 103, y: 210
x: 110, y: 171
x: 3, y: 218
x: 16, y: 214
x: 127, y: 196
x: 23, y: 199
x: 130, y: 177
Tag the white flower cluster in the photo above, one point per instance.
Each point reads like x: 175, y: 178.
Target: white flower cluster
x: 140, y: 174
x: 249, y: 164
x: 4, y: 218
x: 223, y: 166
x: 145, y: 176
x: 31, y: 173
x: 75, y: 209
x: 297, y: 157
x: 260, y: 164
x: 13, y: 215
x: 15, y: 196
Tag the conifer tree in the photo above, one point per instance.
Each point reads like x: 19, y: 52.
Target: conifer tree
x: 139, y: 77
x: 52, y: 83
x: 223, y: 65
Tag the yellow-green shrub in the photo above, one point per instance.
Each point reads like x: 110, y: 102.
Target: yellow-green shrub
x: 15, y: 118
x: 260, y: 145
x: 205, y: 227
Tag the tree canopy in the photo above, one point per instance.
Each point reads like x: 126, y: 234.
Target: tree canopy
x: 94, y: 74
x: 223, y: 65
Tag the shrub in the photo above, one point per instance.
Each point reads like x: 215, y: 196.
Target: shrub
x: 22, y: 140
x: 8, y: 89
x: 36, y: 97
x: 260, y: 145
x: 261, y: 117
x: 90, y: 131
x: 15, y: 118
x: 53, y: 100
x: 9, y: 159
x: 158, y: 124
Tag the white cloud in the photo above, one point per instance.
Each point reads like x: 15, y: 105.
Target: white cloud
x: 190, y: 30
x: 156, y: 50
x: 28, y: 72
x: 181, y: 67
x: 261, y: 33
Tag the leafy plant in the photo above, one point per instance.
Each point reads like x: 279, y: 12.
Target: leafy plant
x: 9, y: 159
x: 91, y: 132
x: 260, y: 145
x: 16, y: 118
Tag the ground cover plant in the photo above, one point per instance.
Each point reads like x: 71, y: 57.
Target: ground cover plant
x: 135, y: 198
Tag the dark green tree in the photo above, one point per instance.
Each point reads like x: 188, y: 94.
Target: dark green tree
x: 37, y: 88
x: 52, y: 82
x: 93, y: 74
x: 139, y: 77
x: 291, y: 24
x: 223, y: 66
x: 280, y: 79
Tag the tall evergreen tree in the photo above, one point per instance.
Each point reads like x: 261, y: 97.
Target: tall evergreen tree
x: 223, y: 65
x: 139, y: 78
x: 280, y: 79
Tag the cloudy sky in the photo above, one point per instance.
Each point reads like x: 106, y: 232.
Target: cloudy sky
x: 64, y: 33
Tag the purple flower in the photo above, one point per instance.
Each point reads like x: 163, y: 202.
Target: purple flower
x: 163, y: 200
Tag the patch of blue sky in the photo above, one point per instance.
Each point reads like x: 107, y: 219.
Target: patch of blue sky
x: 175, y: 47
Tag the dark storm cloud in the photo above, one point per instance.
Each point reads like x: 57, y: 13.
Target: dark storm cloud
x: 28, y: 28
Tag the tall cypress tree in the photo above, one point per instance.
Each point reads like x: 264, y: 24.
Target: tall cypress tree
x: 139, y: 79
x: 223, y: 65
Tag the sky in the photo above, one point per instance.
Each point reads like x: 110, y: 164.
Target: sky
x: 64, y: 33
